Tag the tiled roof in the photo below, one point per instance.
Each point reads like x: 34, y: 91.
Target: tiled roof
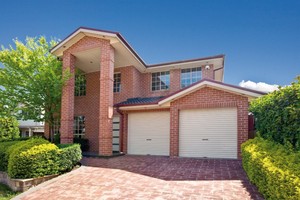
x: 140, y: 101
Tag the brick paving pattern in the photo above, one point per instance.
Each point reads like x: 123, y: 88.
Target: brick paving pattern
x: 149, y: 177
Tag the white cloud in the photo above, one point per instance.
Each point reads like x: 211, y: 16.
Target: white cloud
x: 260, y: 86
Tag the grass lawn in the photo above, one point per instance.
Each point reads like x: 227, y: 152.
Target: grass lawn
x: 6, y: 193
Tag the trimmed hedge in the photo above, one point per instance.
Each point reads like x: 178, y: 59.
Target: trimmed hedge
x: 4, y: 153
x: 70, y: 155
x: 16, y: 155
x: 277, y: 115
x: 273, y: 168
x: 37, y: 157
x: 40, y: 160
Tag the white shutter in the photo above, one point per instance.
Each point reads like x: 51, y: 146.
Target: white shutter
x: 208, y: 133
x: 149, y: 133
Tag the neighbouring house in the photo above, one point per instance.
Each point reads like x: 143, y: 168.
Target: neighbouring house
x: 29, y: 128
x: 120, y: 103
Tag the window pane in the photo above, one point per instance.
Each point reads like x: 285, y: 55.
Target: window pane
x: 117, y: 82
x: 80, y: 85
x: 79, y: 126
x: 189, y: 76
x: 160, y: 81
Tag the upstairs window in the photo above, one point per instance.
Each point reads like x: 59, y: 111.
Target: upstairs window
x: 160, y: 81
x: 80, y: 85
x: 117, y: 82
x: 190, y: 76
x: 79, y: 126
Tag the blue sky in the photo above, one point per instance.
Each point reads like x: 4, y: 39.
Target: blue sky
x: 261, y: 39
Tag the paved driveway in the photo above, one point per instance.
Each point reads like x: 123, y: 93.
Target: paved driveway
x: 149, y: 177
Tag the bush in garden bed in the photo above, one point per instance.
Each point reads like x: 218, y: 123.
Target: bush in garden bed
x: 273, y: 168
x: 70, y: 155
x: 33, y: 158
x: 37, y: 157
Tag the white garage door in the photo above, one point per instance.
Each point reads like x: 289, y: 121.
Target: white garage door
x: 149, y: 133
x: 210, y: 133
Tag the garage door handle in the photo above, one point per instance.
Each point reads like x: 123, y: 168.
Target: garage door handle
x: 205, y: 139
x: 148, y: 139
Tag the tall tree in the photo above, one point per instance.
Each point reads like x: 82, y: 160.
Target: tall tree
x: 32, y: 78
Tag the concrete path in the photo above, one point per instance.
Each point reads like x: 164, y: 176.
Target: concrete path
x: 149, y: 177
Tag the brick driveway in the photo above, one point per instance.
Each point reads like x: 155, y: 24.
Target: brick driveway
x: 149, y: 177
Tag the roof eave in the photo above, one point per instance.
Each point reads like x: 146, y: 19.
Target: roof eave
x: 79, y: 30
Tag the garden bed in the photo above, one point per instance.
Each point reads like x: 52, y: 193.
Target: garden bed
x: 21, y: 185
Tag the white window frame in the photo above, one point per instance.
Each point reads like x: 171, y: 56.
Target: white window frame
x: 117, y: 82
x: 163, y: 77
x: 79, y: 126
x: 82, y: 86
x: 190, y: 77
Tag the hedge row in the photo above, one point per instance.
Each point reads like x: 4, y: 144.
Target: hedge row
x: 277, y: 115
x: 70, y: 155
x: 37, y: 157
x: 273, y: 168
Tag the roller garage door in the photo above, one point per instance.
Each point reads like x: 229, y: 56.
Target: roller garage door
x: 149, y: 133
x: 210, y: 133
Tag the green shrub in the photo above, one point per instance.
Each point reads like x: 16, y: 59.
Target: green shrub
x: 84, y: 143
x: 273, y: 168
x: 9, y: 128
x: 39, y: 160
x: 70, y: 155
x: 4, y: 153
x: 15, y: 170
x: 37, y: 157
x: 278, y: 115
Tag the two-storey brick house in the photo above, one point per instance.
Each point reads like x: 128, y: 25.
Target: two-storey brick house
x: 178, y: 108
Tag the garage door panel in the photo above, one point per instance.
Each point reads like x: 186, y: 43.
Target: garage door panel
x: 208, y: 133
x: 149, y: 133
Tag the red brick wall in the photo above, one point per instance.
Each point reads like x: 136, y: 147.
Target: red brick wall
x: 89, y: 107
x: 209, y: 98
x: 137, y: 84
x: 130, y: 84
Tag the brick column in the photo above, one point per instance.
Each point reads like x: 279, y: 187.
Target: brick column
x: 106, y: 99
x: 174, y: 131
x: 67, y: 100
x: 242, y: 113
